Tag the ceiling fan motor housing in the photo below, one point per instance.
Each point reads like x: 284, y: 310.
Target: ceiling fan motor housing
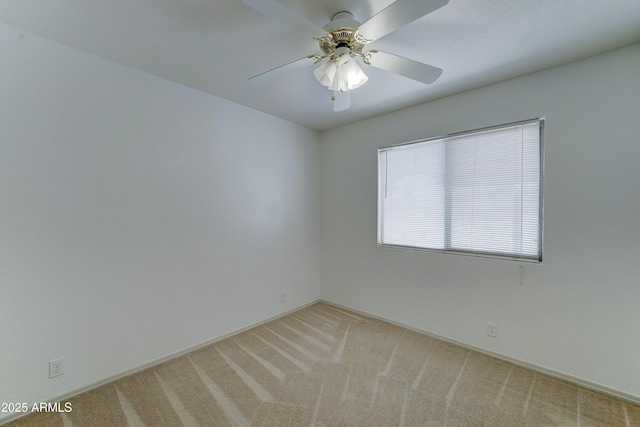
x: 342, y: 32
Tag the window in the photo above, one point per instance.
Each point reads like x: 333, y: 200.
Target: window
x: 473, y: 193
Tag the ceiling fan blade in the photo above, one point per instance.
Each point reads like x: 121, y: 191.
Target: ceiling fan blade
x: 276, y: 10
x: 397, y: 15
x: 280, y: 71
x: 341, y: 100
x: 405, y: 67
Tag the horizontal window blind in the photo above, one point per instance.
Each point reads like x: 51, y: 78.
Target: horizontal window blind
x: 477, y: 193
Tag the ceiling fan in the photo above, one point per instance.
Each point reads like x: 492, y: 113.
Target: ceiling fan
x: 345, y: 39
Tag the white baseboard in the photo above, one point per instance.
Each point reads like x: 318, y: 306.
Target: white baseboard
x: 538, y: 368
x: 156, y: 362
x: 550, y: 372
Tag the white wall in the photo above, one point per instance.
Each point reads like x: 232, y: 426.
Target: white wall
x: 138, y: 217
x: 578, y: 312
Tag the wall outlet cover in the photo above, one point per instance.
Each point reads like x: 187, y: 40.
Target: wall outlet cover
x: 492, y: 330
x: 56, y: 367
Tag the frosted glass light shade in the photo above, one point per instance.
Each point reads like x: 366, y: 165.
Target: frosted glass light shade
x: 340, y: 74
x: 349, y: 75
x: 326, y: 72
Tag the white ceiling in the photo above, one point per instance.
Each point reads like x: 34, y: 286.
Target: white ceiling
x: 216, y: 45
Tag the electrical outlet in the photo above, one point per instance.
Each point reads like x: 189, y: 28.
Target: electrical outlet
x: 56, y: 367
x: 492, y: 329
x: 283, y: 296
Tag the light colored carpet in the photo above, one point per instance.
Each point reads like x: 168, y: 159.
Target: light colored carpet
x: 325, y: 366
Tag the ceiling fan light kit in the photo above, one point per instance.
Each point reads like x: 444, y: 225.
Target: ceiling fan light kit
x: 343, y: 42
x: 340, y: 73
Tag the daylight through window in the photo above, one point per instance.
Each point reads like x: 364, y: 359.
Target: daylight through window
x: 474, y: 193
